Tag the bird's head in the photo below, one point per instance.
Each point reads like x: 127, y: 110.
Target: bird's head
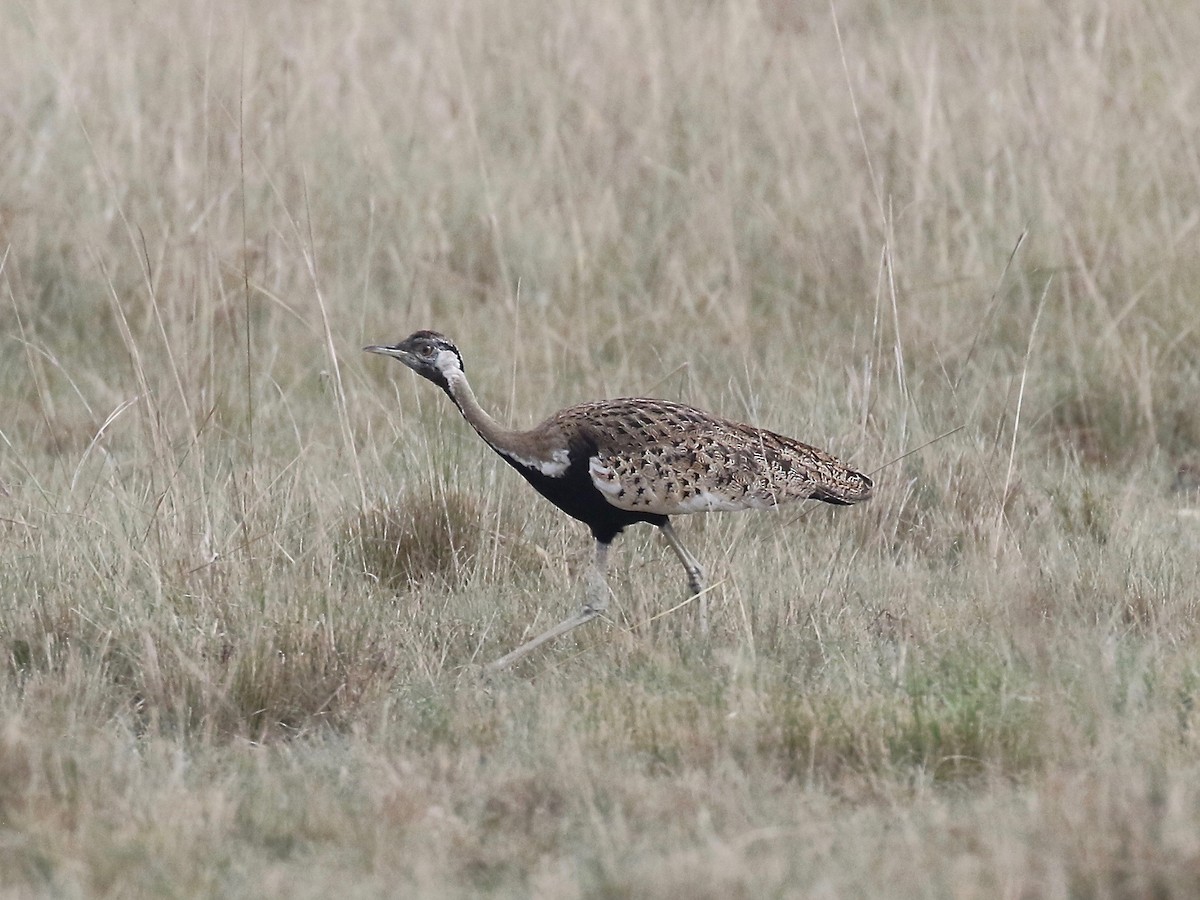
x: 429, y: 354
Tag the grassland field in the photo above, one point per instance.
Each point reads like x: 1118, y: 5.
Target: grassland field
x: 249, y: 575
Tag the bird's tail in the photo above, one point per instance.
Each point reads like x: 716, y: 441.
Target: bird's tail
x: 850, y: 487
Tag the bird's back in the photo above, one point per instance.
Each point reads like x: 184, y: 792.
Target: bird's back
x: 655, y: 456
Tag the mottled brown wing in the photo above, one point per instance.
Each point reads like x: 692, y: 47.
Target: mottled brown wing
x: 670, y: 459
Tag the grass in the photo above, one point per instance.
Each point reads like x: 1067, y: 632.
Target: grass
x: 249, y: 575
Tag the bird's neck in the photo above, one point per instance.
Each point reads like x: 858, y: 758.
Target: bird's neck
x: 485, y: 426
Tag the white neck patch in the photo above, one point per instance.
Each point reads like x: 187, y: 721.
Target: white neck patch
x: 448, y: 364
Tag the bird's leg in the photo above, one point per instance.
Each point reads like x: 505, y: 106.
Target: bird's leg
x: 695, y: 573
x: 595, y: 582
x: 595, y: 587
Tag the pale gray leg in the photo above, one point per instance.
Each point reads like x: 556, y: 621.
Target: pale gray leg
x: 695, y: 573
x: 595, y: 582
x: 595, y: 592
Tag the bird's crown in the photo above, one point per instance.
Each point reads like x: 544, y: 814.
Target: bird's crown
x: 427, y: 346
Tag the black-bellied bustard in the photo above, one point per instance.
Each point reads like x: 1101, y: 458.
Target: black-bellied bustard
x: 613, y: 463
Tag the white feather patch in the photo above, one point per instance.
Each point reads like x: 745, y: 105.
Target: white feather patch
x: 447, y: 362
x: 603, y: 477
x: 554, y: 467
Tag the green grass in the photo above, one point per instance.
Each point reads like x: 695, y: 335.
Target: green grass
x: 249, y: 576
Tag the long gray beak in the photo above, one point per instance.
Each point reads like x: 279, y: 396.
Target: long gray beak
x: 385, y: 351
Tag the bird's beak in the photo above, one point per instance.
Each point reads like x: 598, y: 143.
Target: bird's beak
x: 386, y: 351
x: 396, y: 351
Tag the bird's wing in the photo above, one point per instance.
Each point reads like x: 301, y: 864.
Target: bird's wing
x: 665, y: 458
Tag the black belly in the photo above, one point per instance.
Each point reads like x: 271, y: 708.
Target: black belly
x: 574, y: 493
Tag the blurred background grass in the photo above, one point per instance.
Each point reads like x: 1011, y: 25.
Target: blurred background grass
x: 247, y: 573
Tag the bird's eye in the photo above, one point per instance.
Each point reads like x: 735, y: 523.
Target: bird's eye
x: 428, y: 351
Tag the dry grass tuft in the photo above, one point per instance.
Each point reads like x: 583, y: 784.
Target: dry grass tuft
x: 422, y: 535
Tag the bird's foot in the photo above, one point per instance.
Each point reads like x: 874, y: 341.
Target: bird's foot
x: 581, y: 618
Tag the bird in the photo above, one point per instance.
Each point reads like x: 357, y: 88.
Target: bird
x: 616, y: 463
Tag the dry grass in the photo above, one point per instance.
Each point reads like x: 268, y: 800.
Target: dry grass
x: 248, y: 575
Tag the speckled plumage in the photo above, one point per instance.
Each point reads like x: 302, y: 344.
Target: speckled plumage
x: 670, y: 459
x: 614, y: 463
